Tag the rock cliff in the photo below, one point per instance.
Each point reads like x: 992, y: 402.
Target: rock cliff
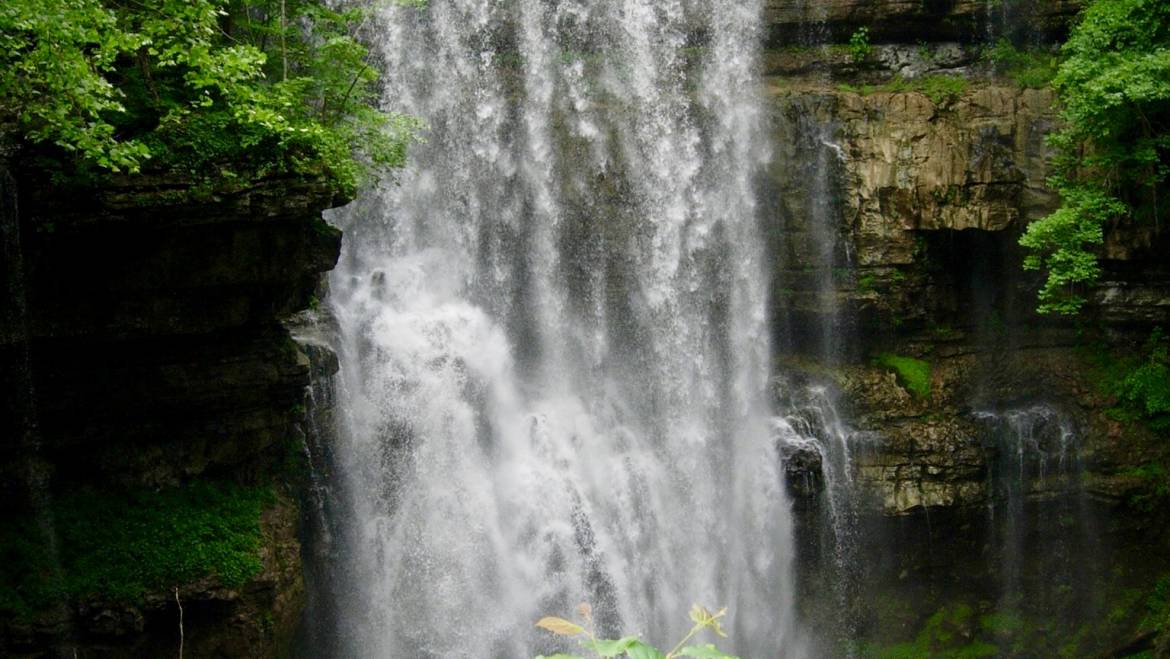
x: 978, y: 430
x: 143, y: 351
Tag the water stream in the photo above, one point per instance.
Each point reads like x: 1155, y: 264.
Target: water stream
x: 1039, y: 512
x: 554, y: 348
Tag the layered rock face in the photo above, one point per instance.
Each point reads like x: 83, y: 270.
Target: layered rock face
x: 912, y: 21
x: 143, y: 348
x: 899, y: 188
x: 907, y: 173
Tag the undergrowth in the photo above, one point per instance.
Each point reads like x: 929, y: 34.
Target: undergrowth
x: 940, y: 89
x: 1027, y: 68
x: 1138, y: 379
x: 119, y: 546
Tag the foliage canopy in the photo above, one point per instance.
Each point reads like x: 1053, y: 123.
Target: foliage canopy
x: 1114, y: 149
x: 203, y: 86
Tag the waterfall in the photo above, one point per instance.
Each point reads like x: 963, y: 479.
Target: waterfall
x: 1039, y: 512
x: 554, y: 347
x: 820, y: 447
x: 31, y: 492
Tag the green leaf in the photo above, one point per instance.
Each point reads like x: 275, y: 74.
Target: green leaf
x: 640, y: 650
x: 606, y: 648
x: 707, y: 650
x: 561, y: 656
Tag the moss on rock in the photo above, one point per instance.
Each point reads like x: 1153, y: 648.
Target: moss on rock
x: 120, y: 546
x: 913, y: 374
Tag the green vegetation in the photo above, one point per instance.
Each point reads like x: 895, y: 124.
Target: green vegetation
x: 1028, y: 68
x: 1002, y: 622
x: 221, y: 88
x: 1139, y: 380
x: 1157, y: 616
x: 632, y: 646
x: 1146, y: 386
x: 1114, y: 149
x: 1156, y: 492
x: 859, y: 48
x: 945, y: 634
x: 121, y: 546
x: 913, y: 374
x: 940, y: 89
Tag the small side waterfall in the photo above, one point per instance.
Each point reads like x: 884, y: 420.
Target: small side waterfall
x: 320, y: 512
x: 554, y: 346
x: 29, y: 491
x: 1039, y: 513
x: 818, y: 444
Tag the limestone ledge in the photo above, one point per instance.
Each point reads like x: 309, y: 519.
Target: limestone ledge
x: 910, y: 21
x: 912, y: 454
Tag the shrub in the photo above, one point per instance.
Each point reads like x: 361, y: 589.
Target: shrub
x: 859, y: 48
x: 1028, y: 68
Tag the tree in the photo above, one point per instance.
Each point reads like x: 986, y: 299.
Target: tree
x: 1113, y: 152
x: 197, y: 85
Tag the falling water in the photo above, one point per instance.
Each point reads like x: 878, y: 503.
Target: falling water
x: 811, y: 424
x: 1039, y: 511
x: 31, y: 491
x: 554, y: 347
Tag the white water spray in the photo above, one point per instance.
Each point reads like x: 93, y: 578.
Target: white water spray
x: 554, y: 343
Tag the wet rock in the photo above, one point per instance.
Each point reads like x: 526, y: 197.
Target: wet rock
x: 803, y: 476
x: 156, y: 358
x: 910, y: 21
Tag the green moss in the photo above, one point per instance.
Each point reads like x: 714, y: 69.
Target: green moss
x: 945, y: 634
x: 940, y: 89
x: 1002, y: 622
x: 913, y: 374
x: 122, y: 545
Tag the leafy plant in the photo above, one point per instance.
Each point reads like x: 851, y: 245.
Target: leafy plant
x: 1156, y: 489
x: 632, y: 646
x: 197, y: 85
x: 859, y: 47
x: 1028, y: 68
x: 122, y: 545
x: 1114, y: 149
x: 1148, y: 385
x: 1139, y: 379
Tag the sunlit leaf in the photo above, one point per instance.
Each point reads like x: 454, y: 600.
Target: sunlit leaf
x: 640, y: 650
x: 606, y: 648
x: 560, y: 626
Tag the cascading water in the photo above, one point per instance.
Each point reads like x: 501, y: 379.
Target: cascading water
x: 1039, y: 509
x: 554, y: 348
x: 812, y: 432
